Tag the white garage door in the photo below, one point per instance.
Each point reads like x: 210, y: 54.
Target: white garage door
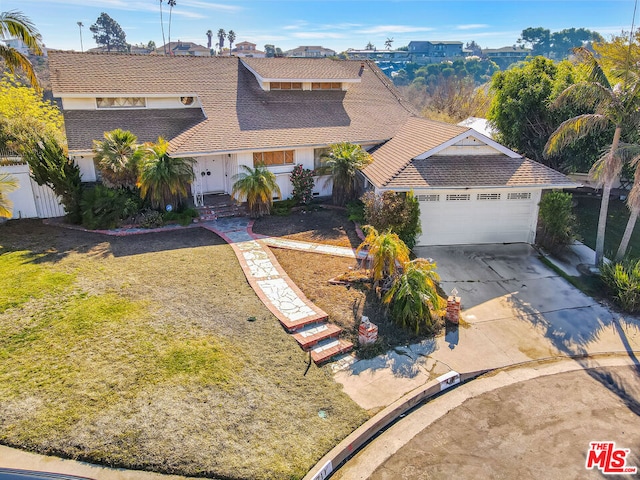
x: 478, y: 216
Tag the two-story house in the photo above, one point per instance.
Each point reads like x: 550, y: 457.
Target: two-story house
x: 434, y: 51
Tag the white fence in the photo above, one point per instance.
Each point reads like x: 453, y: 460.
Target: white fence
x: 31, y: 200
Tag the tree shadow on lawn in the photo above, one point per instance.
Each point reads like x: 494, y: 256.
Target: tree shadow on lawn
x: 51, y: 244
x: 571, y: 330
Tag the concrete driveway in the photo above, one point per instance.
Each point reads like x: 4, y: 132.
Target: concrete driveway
x: 515, y: 309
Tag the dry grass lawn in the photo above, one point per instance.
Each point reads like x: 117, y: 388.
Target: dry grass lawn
x: 137, y: 352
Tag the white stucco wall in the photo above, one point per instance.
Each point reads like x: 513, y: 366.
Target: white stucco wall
x: 89, y: 103
x: 87, y: 167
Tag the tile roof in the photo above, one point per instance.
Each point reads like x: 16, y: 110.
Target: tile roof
x: 395, y: 166
x: 84, y: 126
x: 301, y: 68
x: 239, y: 114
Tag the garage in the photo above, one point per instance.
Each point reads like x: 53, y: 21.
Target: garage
x: 478, y: 216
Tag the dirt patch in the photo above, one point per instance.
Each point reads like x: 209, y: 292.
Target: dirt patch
x: 325, y: 225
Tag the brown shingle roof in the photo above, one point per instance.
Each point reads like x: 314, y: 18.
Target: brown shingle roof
x: 240, y: 115
x: 447, y: 171
x: 84, y: 126
x: 301, y: 68
x: 417, y: 135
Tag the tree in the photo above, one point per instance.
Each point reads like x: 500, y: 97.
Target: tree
x: 108, y: 33
x: 557, y: 221
x: 151, y: 45
x: 386, y: 254
x: 25, y: 116
x: 257, y: 185
x: 14, y: 24
x: 270, y: 50
x: 164, y: 43
x: 614, y: 105
x: 413, y: 298
x: 370, y: 46
x: 539, y: 39
x: 474, y: 48
x: 50, y: 166
x: 7, y: 185
x: 209, y: 36
x: 221, y: 36
x: 615, y: 55
x: 117, y: 156
x: 388, y: 42
x: 231, y: 36
x: 563, y: 41
x: 172, y: 3
x: 163, y: 180
x: 398, y: 212
x: 342, y: 163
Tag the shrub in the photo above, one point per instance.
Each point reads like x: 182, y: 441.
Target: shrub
x: 355, y: 211
x: 283, y: 208
x: 302, y: 181
x: 103, y: 208
x: 623, y: 279
x: 399, y: 212
x: 184, y: 217
x: 557, y: 222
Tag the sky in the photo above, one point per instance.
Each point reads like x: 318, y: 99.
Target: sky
x: 334, y: 24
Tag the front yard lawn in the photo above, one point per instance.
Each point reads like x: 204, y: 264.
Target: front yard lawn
x: 587, y: 211
x: 137, y: 352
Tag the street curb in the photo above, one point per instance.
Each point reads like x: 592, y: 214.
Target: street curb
x: 371, y: 427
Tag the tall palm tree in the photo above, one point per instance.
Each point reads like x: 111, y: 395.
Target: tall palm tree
x: 631, y: 152
x: 613, y: 105
x: 7, y: 184
x: 386, y: 253
x: 15, y: 24
x: 172, y: 3
x: 257, y: 185
x: 163, y: 180
x: 221, y: 36
x: 117, y: 156
x: 209, y: 35
x: 343, y: 162
x: 231, y: 36
x: 164, y: 43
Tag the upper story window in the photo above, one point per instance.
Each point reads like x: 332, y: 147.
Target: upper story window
x: 286, y: 85
x: 281, y: 157
x: 326, y: 86
x: 121, y: 102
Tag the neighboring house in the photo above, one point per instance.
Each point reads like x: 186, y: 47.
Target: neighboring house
x: 480, y: 125
x: 379, y: 55
x: 471, y: 189
x: 20, y: 46
x: 434, y: 51
x: 183, y: 49
x: 506, y: 56
x: 226, y: 111
x: 247, y: 49
x: 307, y: 51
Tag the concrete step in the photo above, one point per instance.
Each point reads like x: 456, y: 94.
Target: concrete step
x: 328, y: 349
x: 310, y: 335
x: 293, y: 326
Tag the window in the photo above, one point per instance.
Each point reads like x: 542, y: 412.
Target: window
x: 488, y: 196
x: 318, y: 153
x: 429, y: 198
x: 326, y: 86
x: 519, y: 196
x: 281, y: 157
x: 187, y: 100
x: 456, y: 197
x: 121, y: 102
x: 286, y: 85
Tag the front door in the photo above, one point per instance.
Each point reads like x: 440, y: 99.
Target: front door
x: 212, y: 173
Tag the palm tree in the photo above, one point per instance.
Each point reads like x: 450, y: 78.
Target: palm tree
x: 231, y: 36
x: 15, y: 24
x: 7, y: 184
x: 615, y: 106
x: 172, y: 3
x: 257, y: 185
x: 163, y: 180
x: 342, y: 163
x: 413, y: 298
x: 221, y: 36
x: 386, y: 253
x: 387, y: 43
x: 164, y: 43
x: 209, y: 35
x: 633, y: 199
x: 117, y: 156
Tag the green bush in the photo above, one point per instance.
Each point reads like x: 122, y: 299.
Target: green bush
x: 184, y: 217
x: 355, y: 211
x: 103, y: 208
x: 399, y: 212
x: 623, y: 279
x: 302, y: 182
x: 150, y: 219
x: 283, y: 208
x: 557, y: 221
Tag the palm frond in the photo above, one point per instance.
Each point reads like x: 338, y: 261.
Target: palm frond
x: 584, y: 94
x: 594, y: 69
x: 7, y: 184
x: 15, y: 24
x: 574, y: 129
x: 16, y: 60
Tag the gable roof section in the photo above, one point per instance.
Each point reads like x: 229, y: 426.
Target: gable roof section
x: 300, y: 69
x: 238, y: 114
x: 411, y: 160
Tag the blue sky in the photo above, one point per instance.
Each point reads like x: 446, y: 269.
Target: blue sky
x: 334, y: 24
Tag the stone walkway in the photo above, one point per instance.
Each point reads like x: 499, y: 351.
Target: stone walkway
x: 276, y: 290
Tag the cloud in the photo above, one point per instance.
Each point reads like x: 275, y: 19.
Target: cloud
x: 210, y: 6
x: 296, y: 25
x: 393, y: 29
x: 318, y: 35
x: 472, y: 26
